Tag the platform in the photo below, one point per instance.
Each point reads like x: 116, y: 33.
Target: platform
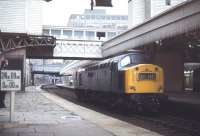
x: 39, y: 113
x: 192, y: 98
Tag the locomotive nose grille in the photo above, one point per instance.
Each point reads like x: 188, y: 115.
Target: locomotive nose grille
x: 146, y: 76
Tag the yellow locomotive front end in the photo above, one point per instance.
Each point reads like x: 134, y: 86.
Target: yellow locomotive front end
x: 144, y: 84
x: 144, y: 78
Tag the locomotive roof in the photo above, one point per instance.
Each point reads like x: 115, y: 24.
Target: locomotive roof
x: 119, y: 57
x: 114, y: 59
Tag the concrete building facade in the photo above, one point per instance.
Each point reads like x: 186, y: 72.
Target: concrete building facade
x: 21, y: 16
x: 79, y: 38
x: 98, y: 18
x: 85, y: 26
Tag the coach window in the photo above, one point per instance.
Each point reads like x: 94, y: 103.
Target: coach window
x: 125, y: 61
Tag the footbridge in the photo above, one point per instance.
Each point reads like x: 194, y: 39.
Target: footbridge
x: 77, y: 49
x: 48, y: 69
x: 34, y: 45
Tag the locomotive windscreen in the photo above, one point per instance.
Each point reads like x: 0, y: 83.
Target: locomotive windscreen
x: 138, y: 58
x: 132, y: 59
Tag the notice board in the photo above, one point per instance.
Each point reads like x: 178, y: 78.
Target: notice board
x: 10, y: 80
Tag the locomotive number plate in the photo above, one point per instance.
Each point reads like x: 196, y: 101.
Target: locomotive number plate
x: 147, y: 76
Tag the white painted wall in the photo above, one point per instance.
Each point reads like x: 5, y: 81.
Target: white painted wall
x: 136, y: 12
x: 158, y: 6
x: 21, y: 16
x: 137, y: 8
x: 34, y: 16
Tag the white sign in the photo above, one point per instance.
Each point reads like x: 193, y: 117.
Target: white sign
x: 10, y: 80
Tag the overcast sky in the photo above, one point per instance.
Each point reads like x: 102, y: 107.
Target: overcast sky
x: 57, y: 12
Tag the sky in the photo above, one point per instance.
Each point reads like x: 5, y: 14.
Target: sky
x: 57, y: 12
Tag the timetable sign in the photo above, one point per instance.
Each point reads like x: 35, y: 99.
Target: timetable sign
x: 10, y: 80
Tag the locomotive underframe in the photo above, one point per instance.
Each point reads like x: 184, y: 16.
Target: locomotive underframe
x: 138, y: 102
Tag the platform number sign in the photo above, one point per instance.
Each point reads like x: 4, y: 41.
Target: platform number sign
x: 10, y: 80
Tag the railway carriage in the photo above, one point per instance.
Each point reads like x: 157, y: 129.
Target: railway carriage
x: 128, y: 80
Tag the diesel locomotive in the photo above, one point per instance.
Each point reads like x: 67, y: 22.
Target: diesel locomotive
x: 127, y: 80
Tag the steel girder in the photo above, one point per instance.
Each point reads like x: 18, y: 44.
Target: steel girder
x: 11, y: 41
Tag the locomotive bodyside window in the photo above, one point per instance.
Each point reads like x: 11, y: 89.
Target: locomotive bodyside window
x: 80, y: 79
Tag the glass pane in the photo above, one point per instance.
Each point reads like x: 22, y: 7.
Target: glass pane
x: 90, y: 35
x: 125, y: 61
x: 67, y: 33
x: 78, y: 35
x: 56, y: 32
x: 111, y: 34
x: 87, y: 17
x: 137, y: 58
x: 124, y: 17
x: 46, y: 32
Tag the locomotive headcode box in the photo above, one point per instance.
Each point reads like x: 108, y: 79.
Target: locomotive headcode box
x: 10, y: 80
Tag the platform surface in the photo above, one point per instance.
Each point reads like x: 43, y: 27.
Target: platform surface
x: 38, y: 113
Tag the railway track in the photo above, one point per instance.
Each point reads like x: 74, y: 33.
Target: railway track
x: 168, y: 125
x: 171, y: 124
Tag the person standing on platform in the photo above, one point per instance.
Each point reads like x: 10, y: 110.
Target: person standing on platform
x: 4, y: 64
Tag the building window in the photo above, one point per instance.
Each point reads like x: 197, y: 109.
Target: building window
x: 45, y: 32
x: 168, y: 2
x: 107, y: 17
x: 111, y: 34
x: 87, y: 17
x: 98, y: 17
x: 102, y: 17
x: 78, y: 35
x: 124, y: 17
x: 83, y: 17
x: 114, y: 17
x: 67, y: 33
x: 117, y: 17
x: 90, y: 35
x: 93, y: 17
x: 56, y: 33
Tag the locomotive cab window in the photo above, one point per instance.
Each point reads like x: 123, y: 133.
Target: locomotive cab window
x: 132, y: 59
x: 125, y: 61
x: 138, y: 58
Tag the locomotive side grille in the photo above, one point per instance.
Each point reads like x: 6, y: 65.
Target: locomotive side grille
x: 146, y: 76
